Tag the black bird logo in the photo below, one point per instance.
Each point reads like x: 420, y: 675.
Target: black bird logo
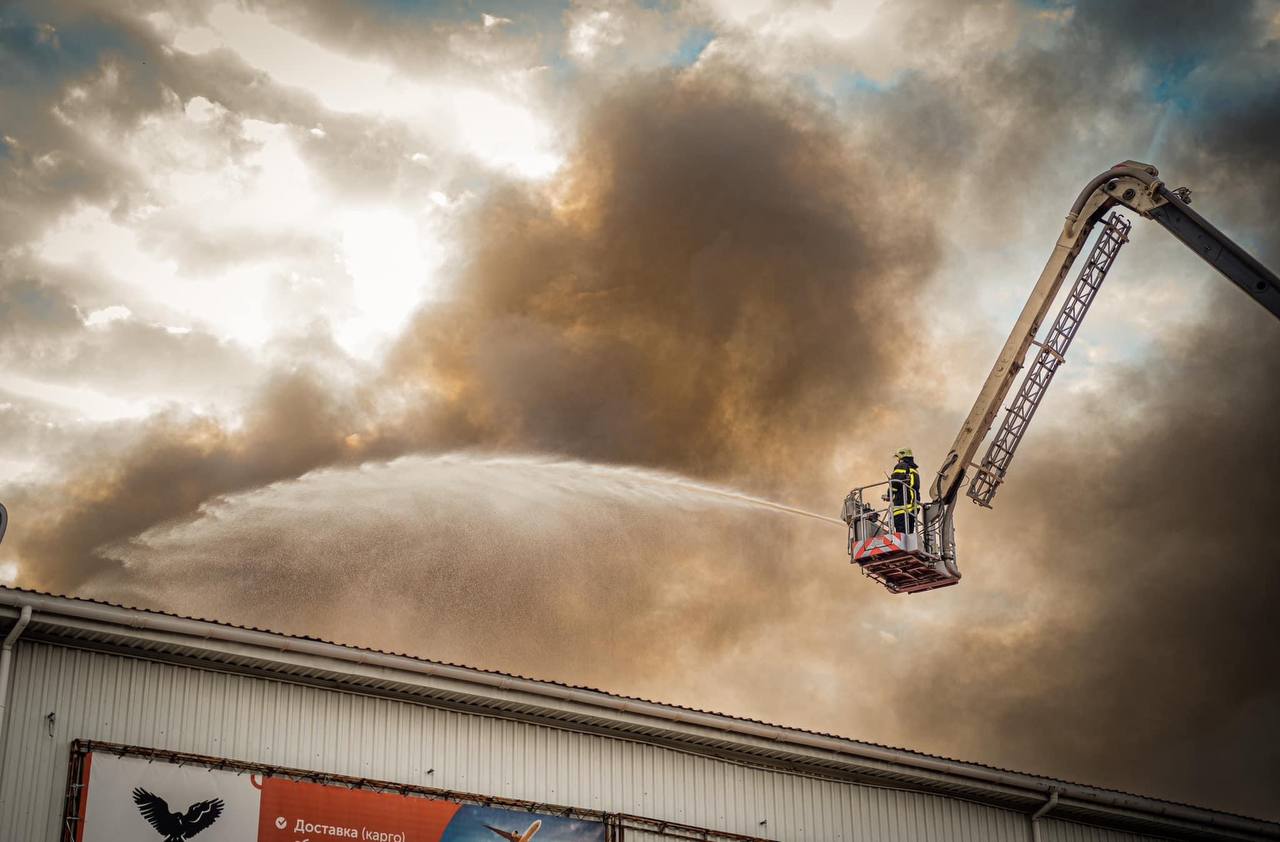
x: 176, y: 827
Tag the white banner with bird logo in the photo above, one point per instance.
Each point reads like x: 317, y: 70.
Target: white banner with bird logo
x: 132, y: 798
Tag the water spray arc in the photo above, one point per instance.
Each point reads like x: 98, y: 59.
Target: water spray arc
x: 620, y: 480
x: 754, y: 501
x: 510, y: 551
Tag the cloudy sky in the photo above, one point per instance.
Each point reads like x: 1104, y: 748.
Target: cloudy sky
x: 393, y: 323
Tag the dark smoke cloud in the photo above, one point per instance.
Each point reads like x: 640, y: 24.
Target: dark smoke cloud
x: 726, y: 282
x: 721, y: 274
x: 1133, y: 540
x: 166, y: 469
x: 1143, y: 543
x: 594, y: 322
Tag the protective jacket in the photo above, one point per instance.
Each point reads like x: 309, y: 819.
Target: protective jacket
x: 905, y: 487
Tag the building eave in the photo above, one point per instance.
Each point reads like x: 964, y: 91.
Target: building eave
x: 212, y: 645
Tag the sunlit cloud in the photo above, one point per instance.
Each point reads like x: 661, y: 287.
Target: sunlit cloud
x: 107, y: 315
x: 79, y: 402
x: 837, y: 20
x: 594, y: 30
x: 498, y: 125
x: 197, y: 194
x: 391, y: 258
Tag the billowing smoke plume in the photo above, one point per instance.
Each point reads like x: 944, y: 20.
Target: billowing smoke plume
x: 729, y: 282
x: 716, y: 285
x: 1140, y: 564
x: 1138, y: 559
x: 121, y: 482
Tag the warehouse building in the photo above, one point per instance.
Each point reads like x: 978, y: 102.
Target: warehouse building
x: 127, y: 724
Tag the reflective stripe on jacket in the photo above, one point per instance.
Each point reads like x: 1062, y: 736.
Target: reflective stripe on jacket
x: 905, y: 488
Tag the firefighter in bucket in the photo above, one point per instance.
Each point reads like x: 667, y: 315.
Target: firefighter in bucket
x: 904, y: 492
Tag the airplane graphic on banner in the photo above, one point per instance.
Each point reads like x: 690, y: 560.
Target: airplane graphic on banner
x: 511, y: 836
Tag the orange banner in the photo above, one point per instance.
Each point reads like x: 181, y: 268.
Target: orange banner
x: 292, y: 810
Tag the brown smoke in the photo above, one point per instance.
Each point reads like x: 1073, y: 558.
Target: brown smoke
x: 122, y: 482
x: 720, y: 285
x: 726, y: 285
x: 713, y: 287
x: 1142, y: 550
x: 1139, y: 564
x: 719, y: 281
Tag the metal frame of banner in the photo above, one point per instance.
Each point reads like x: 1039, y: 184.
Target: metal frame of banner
x: 615, y: 824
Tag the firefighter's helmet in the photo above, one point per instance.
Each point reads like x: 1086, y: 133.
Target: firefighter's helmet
x: 903, y: 453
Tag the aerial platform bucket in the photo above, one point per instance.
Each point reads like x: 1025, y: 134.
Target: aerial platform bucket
x: 902, y: 561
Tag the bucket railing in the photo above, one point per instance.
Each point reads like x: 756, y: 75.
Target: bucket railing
x: 869, y: 511
x: 920, y: 555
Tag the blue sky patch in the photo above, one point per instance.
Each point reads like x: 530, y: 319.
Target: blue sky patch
x: 691, y: 46
x: 1168, y: 78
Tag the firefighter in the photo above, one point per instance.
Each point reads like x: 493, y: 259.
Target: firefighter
x: 905, y: 491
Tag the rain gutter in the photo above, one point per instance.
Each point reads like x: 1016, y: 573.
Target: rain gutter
x: 49, y: 609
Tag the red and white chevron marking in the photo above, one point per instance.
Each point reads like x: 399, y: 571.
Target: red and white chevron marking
x: 890, y: 542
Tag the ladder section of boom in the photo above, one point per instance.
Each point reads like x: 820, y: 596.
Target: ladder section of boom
x: 1053, y: 352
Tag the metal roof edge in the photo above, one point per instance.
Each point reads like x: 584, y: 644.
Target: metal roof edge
x: 209, y: 635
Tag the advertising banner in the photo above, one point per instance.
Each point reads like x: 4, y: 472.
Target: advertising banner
x: 133, y: 799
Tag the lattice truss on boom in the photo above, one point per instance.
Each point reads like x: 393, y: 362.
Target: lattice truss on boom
x: 1053, y: 351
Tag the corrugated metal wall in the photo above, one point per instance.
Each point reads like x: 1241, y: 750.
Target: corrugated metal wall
x: 1055, y: 831
x: 125, y: 700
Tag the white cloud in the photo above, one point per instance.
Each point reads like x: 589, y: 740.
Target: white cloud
x: 828, y: 43
x: 837, y: 20
x: 216, y: 186
x: 594, y: 30
x: 391, y: 258
x: 196, y: 39
x: 497, y: 130
x: 82, y: 402
x: 610, y: 36
x: 196, y: 192
x: 497, y: 124
x: 107, y: 315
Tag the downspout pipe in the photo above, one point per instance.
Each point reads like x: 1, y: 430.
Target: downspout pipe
x: 1038, y: 814
x: 6, y: 662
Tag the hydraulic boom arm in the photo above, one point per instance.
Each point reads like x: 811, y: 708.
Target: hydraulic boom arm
x: 1134, y: 186
x: 884, y: 543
